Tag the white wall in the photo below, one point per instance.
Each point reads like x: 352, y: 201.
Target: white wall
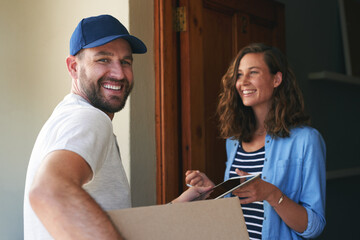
x: 34, y: 39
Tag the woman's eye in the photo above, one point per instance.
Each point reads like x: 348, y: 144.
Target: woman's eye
x: 238, y: 75
x: 253, y: 72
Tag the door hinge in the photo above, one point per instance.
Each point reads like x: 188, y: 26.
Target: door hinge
x: 180, y: 19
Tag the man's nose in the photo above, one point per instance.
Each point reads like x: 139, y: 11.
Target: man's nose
x: 116, y: 71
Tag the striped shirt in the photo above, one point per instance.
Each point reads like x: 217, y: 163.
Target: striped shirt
x: 251, y: 162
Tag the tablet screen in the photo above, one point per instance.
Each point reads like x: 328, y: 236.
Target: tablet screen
x: 226, y: 187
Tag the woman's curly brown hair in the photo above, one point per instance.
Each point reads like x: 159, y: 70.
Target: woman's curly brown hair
x: 287, y: 110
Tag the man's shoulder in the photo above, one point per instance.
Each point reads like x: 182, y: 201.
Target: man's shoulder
x: 75, y: 113
x: 74, y: 101
x: 74, y: 106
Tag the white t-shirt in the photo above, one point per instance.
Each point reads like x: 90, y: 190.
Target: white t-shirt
x: 77, y: 126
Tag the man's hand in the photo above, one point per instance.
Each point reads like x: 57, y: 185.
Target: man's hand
x: 191, y: 193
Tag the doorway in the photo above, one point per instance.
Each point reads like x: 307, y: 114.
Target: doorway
x: 189, y: 66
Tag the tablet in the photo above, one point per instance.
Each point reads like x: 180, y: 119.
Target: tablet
x: 226, y: 187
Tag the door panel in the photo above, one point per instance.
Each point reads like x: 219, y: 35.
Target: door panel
x: 218, y: 50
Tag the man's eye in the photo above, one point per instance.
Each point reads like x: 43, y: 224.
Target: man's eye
x: 103, y: 60
x: 124, y: 62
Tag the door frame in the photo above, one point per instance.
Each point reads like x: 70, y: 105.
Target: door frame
x: 167, y: 103
x: 179, y: 115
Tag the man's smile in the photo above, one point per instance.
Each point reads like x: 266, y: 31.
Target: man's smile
x: 116, y: 87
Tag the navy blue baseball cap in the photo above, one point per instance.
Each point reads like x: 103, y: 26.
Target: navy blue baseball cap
x: 99, y: 30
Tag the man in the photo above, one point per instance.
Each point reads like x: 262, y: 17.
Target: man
x: 75, y: 172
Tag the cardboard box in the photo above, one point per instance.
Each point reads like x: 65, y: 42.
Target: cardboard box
x: 207, y: 219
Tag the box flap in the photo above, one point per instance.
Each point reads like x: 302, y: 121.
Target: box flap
x: 207, y: 219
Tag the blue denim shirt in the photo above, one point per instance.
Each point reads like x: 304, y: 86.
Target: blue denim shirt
x: 296, y: 165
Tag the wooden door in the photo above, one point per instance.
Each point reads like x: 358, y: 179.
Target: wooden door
x: 215, y: 30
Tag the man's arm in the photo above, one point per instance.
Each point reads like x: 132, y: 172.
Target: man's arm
x: 63, y: 206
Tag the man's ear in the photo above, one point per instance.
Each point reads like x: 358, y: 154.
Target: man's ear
x: 277, y: 79
x: 72, y: 66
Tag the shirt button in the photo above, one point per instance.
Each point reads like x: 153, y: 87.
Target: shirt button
x: 267, y: 141
x: 265, y: 159
x: 264, y: 177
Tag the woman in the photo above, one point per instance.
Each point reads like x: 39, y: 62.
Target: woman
x: 262, y: 116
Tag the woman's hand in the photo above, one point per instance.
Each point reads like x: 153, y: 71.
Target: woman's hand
x: 292, y: 213
x: 257, y: 190
x: 197, y: 178
x: 190, y: 194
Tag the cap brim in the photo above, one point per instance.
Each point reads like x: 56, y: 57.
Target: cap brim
x: 137, y: 46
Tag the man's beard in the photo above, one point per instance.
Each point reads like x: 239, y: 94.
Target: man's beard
x: 96, y: 99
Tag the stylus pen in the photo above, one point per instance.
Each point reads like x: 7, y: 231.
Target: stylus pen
x: 245, y: 176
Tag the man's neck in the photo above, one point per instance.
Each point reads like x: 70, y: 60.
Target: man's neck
x: 110, y: 115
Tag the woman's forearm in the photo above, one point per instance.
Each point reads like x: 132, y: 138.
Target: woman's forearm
x: 293, y: 214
